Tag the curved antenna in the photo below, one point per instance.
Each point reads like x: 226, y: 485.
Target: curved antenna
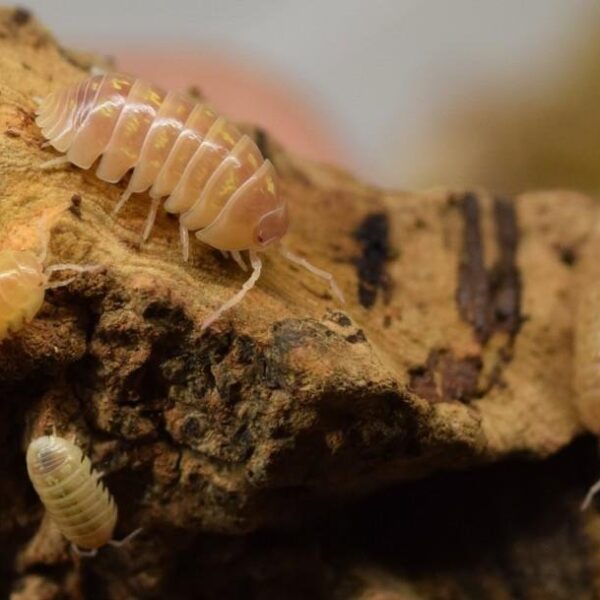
x: 68, y: 267
x: 335, y: 290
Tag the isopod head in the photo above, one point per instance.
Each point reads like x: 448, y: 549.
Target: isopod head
x: 45, y: 455
x: 253, y: 218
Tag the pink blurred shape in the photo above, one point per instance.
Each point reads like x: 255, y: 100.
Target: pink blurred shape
x: 245, y: 93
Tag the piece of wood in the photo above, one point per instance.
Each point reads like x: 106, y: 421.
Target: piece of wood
x: 454, y: 348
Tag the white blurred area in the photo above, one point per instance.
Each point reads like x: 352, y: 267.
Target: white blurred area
x: 376, y: 72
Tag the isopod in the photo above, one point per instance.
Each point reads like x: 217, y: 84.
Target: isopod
x: 70, y: 488
x: 23, y: 283
x: 215, y: 179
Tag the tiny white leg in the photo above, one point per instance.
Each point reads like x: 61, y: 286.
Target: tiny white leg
x: 126, y: 539
x: 68, y: 267
x: 335, y: 290
x: 256, y: 263
x: 590, y: 495
x: 124, y: 197
x: 99, y: 475
x: 72, y: 267
x: 86, y: 553
x: 55, y: 162
x: 151, y: 218
x: 184, y: 236
x: 239, y: 260
x: 59, y: 284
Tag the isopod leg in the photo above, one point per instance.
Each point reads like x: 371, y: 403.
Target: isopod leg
x: 590, y: 495
x: 126, y: 539
x: 151, y: 218
x: 85, y: 553
x: 184, y: 236
x: 335, y: 290
x: 59, y: 284
x: 256, y: 263
x: 55, y: 162
x: 239, y: 260
x: 121, y: 203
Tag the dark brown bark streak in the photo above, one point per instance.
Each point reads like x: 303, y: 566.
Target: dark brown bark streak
x: 473, y: 293
x: 373, y: 235
x: 489, y: 300
x: 505, y: 279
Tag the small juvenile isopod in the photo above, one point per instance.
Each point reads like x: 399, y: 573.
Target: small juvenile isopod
x: 23, y: 282
x: 71, y: 490
x: 215, y: 178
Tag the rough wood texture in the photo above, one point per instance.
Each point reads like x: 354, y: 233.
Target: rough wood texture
x: 454, y: 350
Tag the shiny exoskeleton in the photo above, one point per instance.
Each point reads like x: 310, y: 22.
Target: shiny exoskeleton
x: 212, y: 176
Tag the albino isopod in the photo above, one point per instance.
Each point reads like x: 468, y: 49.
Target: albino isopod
x: 23, y: 282
x: 215, y: 178
x: 71, y: 490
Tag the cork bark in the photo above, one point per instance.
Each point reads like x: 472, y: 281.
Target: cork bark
x: 256, y: 454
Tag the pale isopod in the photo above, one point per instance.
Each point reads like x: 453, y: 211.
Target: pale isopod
x: 70, y: 489
x: 215, y: 178
x: 23, y: 282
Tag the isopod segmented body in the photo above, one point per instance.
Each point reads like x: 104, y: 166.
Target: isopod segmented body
x: 23, y: 283
x: 70, y: 489
x: 213, y: 176
x: 22, y: 286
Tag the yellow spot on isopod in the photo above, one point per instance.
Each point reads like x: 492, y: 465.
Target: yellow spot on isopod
x: 154, y: 97
x: 132, y: 125
x: 270, y: 185
x: 119, y: 84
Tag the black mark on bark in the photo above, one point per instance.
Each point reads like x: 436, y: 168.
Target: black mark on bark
x: 373, y: 236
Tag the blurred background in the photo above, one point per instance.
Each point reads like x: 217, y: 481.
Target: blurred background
x: 407, y: 93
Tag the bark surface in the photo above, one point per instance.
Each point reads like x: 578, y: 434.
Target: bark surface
x: 247, y: 452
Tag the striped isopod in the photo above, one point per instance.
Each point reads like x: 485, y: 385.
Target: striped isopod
x: 23, y: 282
x: 215, y: 178
x: 71, y: 490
